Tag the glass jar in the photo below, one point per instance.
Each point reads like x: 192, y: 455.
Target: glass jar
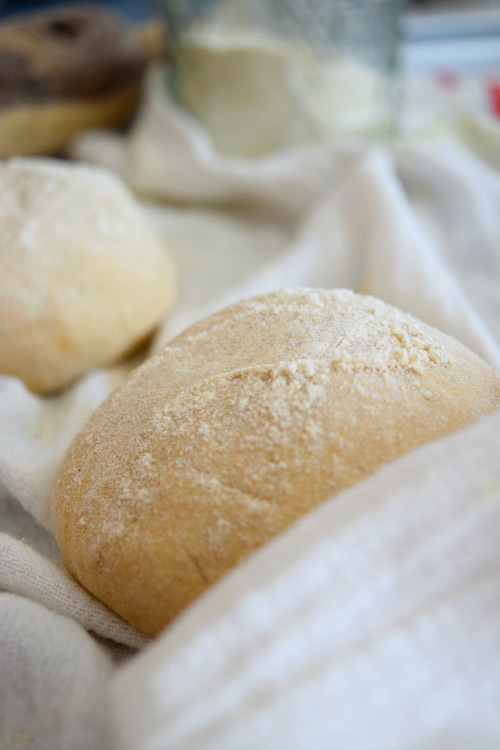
x: 261, y: 75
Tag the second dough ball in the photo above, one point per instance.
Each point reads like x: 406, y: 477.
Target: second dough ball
x: 84, y: 279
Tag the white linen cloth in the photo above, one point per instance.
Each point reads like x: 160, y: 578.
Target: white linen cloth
x: 374, y: 622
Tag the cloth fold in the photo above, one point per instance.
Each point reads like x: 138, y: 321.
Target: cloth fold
x: 371, y: 604
x: 54, y: 681
x: 25, y: 572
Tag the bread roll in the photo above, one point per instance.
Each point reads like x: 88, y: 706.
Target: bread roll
x: 65, y: 69
x: 245, y: 422
x: 83, y: 278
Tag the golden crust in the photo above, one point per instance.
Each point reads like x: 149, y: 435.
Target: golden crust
x: 242, y: 424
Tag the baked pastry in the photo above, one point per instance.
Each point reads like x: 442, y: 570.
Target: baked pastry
x: 63, y: 70
x: 84, y: 280
x: 246, y: 421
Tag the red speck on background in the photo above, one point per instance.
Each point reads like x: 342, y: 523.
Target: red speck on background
x: 493, y: 89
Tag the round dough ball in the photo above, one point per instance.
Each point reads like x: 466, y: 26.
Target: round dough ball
x: 245, y: 422
x: 84, y: 279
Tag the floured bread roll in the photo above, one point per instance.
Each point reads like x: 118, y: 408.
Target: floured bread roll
x: 83, y: 278
x: 246, y: 421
